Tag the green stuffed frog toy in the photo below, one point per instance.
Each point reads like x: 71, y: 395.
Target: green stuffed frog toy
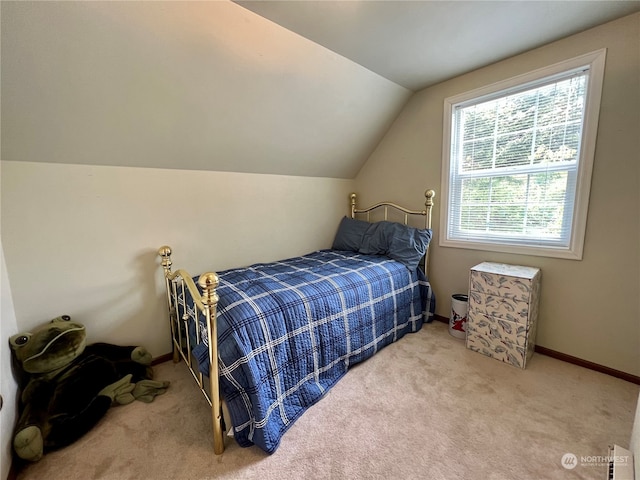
x: 68, y: 386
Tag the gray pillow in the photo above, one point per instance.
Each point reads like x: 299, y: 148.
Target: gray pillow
x: 349, y: 235
x: 376, y: 239
x: 399, y: 242
x: 408, y: 245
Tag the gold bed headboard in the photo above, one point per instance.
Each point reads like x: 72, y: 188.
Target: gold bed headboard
x: 428, y: 204
x: 429, y: 195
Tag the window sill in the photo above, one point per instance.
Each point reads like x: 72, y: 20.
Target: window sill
x: 553, y: 252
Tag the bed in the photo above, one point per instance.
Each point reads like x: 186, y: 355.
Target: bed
x: 281, y: 334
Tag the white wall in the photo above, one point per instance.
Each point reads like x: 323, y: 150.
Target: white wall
x: 82, y: 240
x: 634, y: 443
x: 8, y: 388
x: 188, y: 85
x: 589, y: 308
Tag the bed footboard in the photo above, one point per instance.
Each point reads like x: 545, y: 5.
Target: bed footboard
x: 205, y: 304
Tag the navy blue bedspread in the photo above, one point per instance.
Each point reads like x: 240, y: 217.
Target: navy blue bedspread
x: 289, y: 330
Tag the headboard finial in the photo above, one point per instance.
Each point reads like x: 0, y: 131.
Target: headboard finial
x: 165, y: 253
x: 429, y: 194
x: 353, y: 205
x: 428, y: 203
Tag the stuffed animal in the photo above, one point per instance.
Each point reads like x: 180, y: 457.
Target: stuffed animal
x: 69, y: 386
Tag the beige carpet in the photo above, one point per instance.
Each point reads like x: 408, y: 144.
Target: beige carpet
x: 423, y: 408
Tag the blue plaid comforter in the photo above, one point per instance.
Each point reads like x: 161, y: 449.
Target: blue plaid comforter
x: 289, y: 330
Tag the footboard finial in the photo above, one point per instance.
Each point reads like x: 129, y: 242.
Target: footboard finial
x: 165, y: 253
x: 209, y: 282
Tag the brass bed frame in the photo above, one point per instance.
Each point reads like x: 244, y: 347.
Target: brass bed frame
x: 206, y: 304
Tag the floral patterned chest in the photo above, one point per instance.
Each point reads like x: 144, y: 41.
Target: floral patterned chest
x: 503, y: 311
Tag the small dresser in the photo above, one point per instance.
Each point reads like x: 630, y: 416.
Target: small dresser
x: 503, y: 311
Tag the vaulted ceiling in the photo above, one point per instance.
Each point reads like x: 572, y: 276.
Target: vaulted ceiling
x: 418, y: 43
x: 220, y: 86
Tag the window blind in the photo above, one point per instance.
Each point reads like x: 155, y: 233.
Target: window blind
x: 514, y: 163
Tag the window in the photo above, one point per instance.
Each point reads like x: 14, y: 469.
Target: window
x: 518, y: 157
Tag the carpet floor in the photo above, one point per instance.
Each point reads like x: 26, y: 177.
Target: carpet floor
x: 422, y: 408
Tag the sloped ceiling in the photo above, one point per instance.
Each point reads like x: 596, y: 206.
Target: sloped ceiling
x: 189, y: 85
x: 418, y: 43
x: 212, y: 85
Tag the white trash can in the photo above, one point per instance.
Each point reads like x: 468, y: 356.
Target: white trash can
x: 458, y: 319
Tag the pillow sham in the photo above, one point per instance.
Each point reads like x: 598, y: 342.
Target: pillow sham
x: 349, y: 235
x: 399, y: 242
x: 408, y: 245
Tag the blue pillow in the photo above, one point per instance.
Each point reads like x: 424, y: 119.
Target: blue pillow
x: 350, y: 233
x: 399, y: 242
x: 376, y: 239
x: 408, y: 245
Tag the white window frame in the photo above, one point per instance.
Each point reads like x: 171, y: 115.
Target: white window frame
x: 595, y: 61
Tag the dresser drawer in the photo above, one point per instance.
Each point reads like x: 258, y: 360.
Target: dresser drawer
x: 501, y: 285
x: 511, y: 309
x: 498, y: 331
x: 515, y: 356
